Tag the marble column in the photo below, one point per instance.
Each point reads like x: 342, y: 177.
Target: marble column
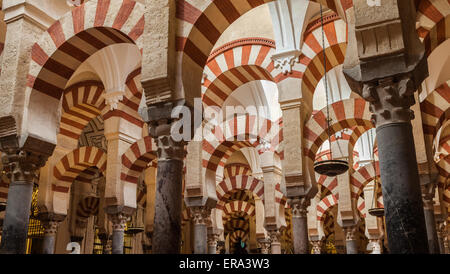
x: 21, y: 167
x: 168, y: 197
x: 386, y: 72
x: 351, y: 243
x: 300, y: 225
x: 118, y: 221
x: 428, y: 209
x: 212, y: 243
x: 200, y: 216
x: 275, y: 244
x: 264, y: 245
x: 50, y: 230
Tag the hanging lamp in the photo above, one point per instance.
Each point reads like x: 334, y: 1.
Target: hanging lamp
x: 375, y: 210
x: 330, y: 167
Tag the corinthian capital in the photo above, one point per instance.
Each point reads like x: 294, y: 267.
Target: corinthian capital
x: 200, y: 215
x: 350, y: 233
x: 22, y: 166
x: 299, y: 207
x: 119, y: 220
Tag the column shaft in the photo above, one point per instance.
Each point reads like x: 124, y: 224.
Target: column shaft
x: 15, y: 224
x: 200, y: 238
x: 430, y: 222
x: 405, y: 221
x: 300, y: 234
x: 117, y: 242
x: 167, y: 226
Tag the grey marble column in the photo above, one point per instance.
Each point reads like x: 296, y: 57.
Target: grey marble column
x: 48, y: 244
x: 351, y: 243
x: 118, y: 221
x: 200, y: 217
x: 300, y: 225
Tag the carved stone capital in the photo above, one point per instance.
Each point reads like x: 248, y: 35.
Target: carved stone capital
x: 22, y: 166
x: 200, y: 215
x: 285, y: 60
x: 50, y: 227
x: 274, y: 236
x: 74, y: 3
x: 264, y: 245
x: 212, y: 239
x: 119, y: 220
x: 299, y: 207
x: 428, y: 195
x: 375, y: 244
x: 113, y: 98
x: 350, y: 233
x: 441, y: 228
x: 317, y: 246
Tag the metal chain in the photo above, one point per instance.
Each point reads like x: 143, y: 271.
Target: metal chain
x: 326, y: 81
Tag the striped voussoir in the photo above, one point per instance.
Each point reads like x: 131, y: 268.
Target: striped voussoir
x: 434, y: 23
x: 75, y: 37
x: 235, y: 64
x: 344, y: 114
x: 136, y: 159
x: 238, y: 206
x: 329, y: 182
x: 362, y: 176
x: 128, y: 107
x: 324, y: 205
x: 235, y: 133
x: 238, y: 235
x: 435, y: 110
x: 311, y: 60
x: 242, y: 222
x: 75, y: 162
x: 201, y: 23
x: 361, y: 206
x: 88, y: 206
x: 236, y: 169
x: 239, y: 182
x: 81, y: 103
x: 279, y: 196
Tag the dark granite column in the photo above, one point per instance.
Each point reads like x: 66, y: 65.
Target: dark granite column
x: 200, y: 216
x: 386, y: 72
x: 428, y: 209
x: 351, y: 243
x: 118, y: 221
x: 21, y: 168
x: 168, y: 201
x: 300, y: 225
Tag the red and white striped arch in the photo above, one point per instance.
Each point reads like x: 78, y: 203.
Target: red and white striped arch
x: 75, y: 162
x: 79, y: 34
x: 435, y: 109
x: 236, y: 169
x: 239, y: 182
x: 362, y: 176
x: 330, y: 183
x: 136, y: 159
x: 347, y: 113
x: 235, y: 64
x: 361, y: 205
x: 434, y: 21
x: 311, y: 59
x: 201, y: 23
x: 238, y: 234
x: 236, y: 133
x: 88, y: 206
x: 238, y: 206
x: 324, y: 205
x: 81, y: 103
